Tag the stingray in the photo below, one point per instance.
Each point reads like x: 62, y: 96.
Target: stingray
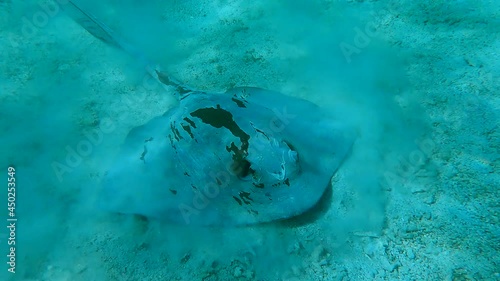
x: 245, y: 156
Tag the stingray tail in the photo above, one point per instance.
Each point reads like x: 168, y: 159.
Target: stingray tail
x: 104, y: 33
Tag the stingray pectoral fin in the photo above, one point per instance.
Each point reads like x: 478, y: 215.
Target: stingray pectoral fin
x: 326, y: 145
x: 321, y: 151
x: 319, y: 140
x: 136, y: 180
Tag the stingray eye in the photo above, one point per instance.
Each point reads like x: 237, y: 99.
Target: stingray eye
x: 293, y: 156
x: 241, y: 168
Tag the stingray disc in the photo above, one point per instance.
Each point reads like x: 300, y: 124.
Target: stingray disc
x: 246, y: 156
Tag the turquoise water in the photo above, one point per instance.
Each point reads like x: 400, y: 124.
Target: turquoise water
x: 417, y: 198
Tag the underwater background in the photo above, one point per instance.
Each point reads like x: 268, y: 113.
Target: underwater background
x: 417, y: 199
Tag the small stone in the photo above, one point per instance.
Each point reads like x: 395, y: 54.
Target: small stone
x: 427, y: 215
x: 238, y: 272
x: 248, y: 274
x: 410, y: 254
x: 431, y: 199
x: 394, y: 267
x: 79, y: 268
x: 418, y: 189
x: 186, y: 258
x: 317, y: 253
x: 294, y: 248
x: 411, y: 228
x: 295, y: 270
